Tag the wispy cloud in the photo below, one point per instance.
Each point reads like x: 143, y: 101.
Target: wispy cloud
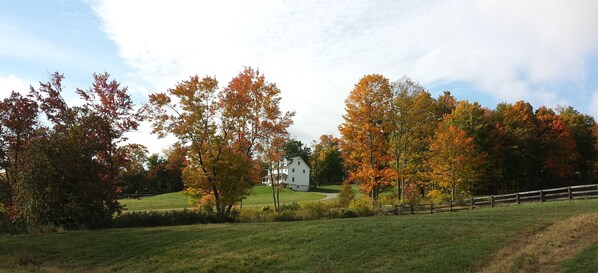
x: 317, y: 50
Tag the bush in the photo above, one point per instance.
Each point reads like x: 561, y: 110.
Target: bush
x: 346, y: 195
x: 165, y: 218
x: 5, y: 225
x: 363, y: 206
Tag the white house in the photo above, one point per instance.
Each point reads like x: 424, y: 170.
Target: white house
x: 292, y: 172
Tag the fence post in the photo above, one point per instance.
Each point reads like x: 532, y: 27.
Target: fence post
x: 569, y: 193
x: 491, y: 201
x: 472, y: 201
x: 541, y: 196
x: 451, y: 209
x: 431, y: 207
x: 517, y: 198
x: 411, y: 206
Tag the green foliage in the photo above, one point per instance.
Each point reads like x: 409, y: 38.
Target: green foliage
x: 164, y: 218
x: 301, y: 212
x: 5, y: 223
x: 326, y: 162
x: 61, y: 184
x: 294, y: 148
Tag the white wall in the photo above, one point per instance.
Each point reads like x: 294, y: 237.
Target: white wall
x: 299, y: 172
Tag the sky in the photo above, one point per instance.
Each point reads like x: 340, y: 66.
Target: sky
x: 543, y: 52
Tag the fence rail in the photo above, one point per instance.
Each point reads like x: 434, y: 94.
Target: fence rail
x: 555, y: 194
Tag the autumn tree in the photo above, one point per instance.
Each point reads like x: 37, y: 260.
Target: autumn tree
x: 67, y: 180
x: 445, y: 104
x: 326, y: 161
x: 454, y: 160
x: 414, y: 117
x: 516, y: 145
x: 365, y: 135
x: 557, y: 149
x: 478, y: 124
x: 18, y: 126
x: 110, y: 101
x: 224, y: 132
x: 581, y: 127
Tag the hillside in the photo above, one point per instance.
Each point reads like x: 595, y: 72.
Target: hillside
x: 446, y: 242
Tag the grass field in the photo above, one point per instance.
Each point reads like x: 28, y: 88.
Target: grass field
x: 445, y: 242
x: 584, y: 262
x: 261, y: 196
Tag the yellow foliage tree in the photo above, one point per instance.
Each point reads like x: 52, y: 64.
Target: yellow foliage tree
x: 454, y: 160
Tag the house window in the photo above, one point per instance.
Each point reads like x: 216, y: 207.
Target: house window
x: 293, y: 169
x: 298, y: 162
x: 293, y: 179
x: 303, y: 171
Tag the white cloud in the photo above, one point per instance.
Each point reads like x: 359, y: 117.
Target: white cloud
x: 316, y: 51
x: 145, y: 137
x: 12, y: 83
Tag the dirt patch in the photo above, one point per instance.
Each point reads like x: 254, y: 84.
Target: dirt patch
x: 545, y: 250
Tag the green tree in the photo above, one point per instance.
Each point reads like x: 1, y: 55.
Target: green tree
x: 517, y: 146
x: 326, y: 162
x: 62, y: 184
x: 294, y: 148
x: 581, y: 127
x: 132, y: 172
x: 18, y: 127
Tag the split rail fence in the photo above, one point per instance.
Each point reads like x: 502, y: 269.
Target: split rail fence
x: 556, y: 194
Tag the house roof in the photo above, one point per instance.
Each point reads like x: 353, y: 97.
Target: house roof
x: 291, y: 159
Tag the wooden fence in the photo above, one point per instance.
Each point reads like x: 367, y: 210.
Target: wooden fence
x: 556, y: 194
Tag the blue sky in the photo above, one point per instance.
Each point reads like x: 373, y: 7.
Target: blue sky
x: 544, y: 52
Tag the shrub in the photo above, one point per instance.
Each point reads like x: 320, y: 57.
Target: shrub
x: 5, y: 225
x: 254, y: 215
x: 164, y: 218
x: 388, y: 200
x: 437, y: 196
x: 313, y: 210
x: 346, y: 195
x: 362, y: 206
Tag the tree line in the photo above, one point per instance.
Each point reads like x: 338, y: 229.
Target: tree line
x: 396, y: 136
x: 66, y: 165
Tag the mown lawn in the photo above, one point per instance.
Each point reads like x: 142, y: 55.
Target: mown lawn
x: 586, y: 261
x: 444, y: 242
x: 261, y: 196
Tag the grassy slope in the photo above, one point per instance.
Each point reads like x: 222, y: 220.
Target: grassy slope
x: 446, y: 242
x: 262, y: 195
x: 586, y: 261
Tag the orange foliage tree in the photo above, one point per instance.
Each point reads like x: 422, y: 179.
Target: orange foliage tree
x: 454, y: 160
x: 224, y: 132
x: 365, y: 135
